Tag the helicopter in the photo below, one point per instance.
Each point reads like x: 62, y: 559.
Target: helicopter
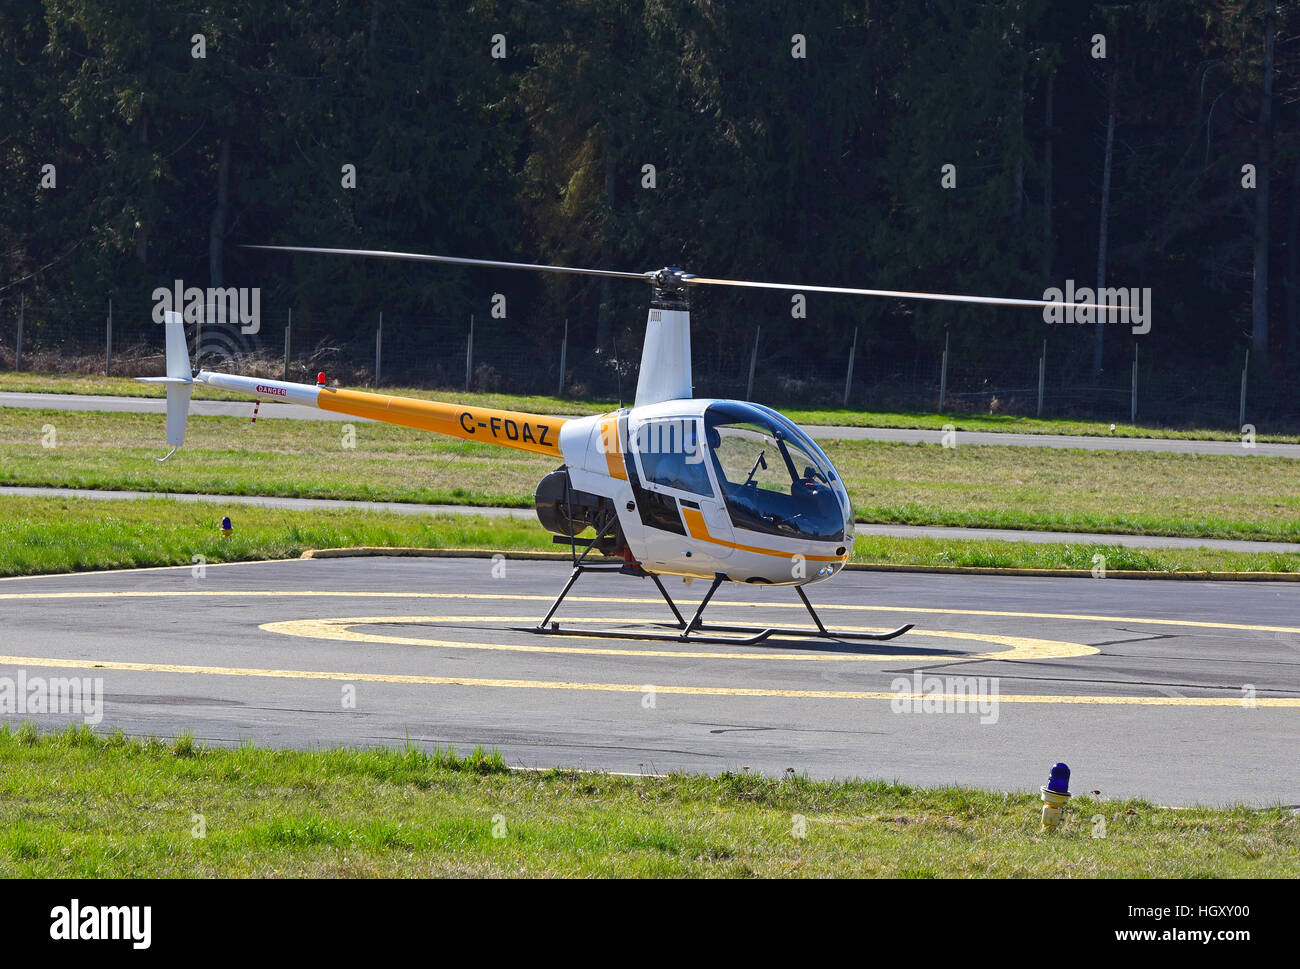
x: 696, y: 488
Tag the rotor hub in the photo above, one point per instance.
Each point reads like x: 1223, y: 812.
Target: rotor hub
x: 670, y: 291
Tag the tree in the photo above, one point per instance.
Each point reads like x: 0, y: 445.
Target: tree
x: 1259, y: 289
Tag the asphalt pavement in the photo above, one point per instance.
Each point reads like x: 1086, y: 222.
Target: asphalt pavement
x: 1180, y: 692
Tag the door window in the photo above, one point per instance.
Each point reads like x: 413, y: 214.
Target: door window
x: 671, y: 456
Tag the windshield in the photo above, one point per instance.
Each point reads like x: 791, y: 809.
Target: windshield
x: 774, y: 479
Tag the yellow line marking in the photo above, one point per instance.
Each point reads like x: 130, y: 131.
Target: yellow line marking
x: 1149, y: 701
x: 340, y: 630
x: 146, y: 568
x: 271, y: 594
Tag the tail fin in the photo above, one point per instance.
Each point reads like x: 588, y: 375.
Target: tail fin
x: 179, y: 382
x: 178, y: 354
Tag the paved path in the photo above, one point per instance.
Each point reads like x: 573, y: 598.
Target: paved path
x: 260, y: 501
x: 1175, y: 446
x: 218, y: 408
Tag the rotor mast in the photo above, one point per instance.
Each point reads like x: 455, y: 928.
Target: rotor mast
x: 666, y: 354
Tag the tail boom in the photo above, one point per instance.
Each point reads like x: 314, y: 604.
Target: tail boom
x: 523, y: 432
x: 537, y: 433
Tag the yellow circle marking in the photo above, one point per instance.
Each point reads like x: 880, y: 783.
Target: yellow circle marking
x: 624, y: 600
x: 1161, y: 701
x: 340, y: 630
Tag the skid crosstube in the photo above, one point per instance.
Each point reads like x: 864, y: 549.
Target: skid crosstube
x: 760, y: 635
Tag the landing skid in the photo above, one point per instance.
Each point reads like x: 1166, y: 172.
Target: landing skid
x: 696, y: 630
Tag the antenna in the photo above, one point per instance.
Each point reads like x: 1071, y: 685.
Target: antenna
x: 618, y: 370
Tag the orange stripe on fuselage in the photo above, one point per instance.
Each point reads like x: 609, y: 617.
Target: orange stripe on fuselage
x: 612, y: 446
x: 698, y: 529
x: 524, y: 432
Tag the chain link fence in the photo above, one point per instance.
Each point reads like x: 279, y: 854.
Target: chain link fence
x: 548, y: 356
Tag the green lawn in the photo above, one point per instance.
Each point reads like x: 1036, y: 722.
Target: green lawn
x: 1122, y: 492
x: 82, y: 806
x: 542, y: 404
x: 225, y: 455
x: 50, y: 535
x: 1011, y: 423
x: 1207, y: 496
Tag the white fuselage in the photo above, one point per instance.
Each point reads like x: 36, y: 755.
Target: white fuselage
x: 685, y: 527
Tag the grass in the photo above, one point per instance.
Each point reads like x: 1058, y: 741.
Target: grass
x: 1155, y: 493
x: 1133, y: 492
x: 79, y: 805
x: 225, y: 455
x: 544, y: 404
x: 54, y: 535
x: 1016, y: 424
x: 51, y: 535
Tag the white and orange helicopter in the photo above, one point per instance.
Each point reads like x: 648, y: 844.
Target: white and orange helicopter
x: 722, y: 490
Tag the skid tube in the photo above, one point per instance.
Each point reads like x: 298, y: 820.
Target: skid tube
x: 695, y: 630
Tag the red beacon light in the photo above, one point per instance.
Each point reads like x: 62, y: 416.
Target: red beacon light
x: 320, y: 379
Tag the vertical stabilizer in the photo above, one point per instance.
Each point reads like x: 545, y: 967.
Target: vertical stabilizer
x: 178, y: 354
x: 179, y: 381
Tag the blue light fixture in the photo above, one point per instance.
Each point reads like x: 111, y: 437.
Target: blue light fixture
x: 1059, y: 781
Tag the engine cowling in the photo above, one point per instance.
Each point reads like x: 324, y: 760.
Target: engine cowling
x: 564, y: 510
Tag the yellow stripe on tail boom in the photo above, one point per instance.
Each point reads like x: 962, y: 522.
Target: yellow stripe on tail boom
x: 524, y: 432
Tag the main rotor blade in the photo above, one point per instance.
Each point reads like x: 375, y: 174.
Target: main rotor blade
x: 687, y: 278
x: 454, y: 260
x: 900, y: 294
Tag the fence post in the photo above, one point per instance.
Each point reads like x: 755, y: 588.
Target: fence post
x: 1133, y: 407
x: 198, y: 340
x: 469, y: 354
x: 753, y: 362
x: 18, y: 354
x: 108, y: 340
x: 288, y: 328
x: 1241, y: 413
x: 943, y: 373
x: 379, y: 341
x: 848, y: 376
x: 1042, y: 376
x: 564, y: 352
